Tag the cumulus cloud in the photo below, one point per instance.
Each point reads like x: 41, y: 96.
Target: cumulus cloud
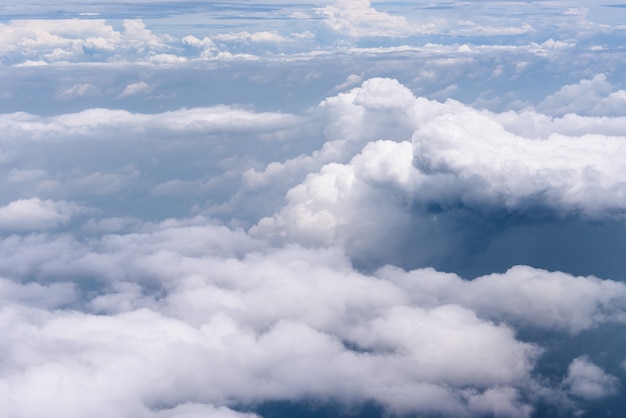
x: 76, y: 40
x: 359, y: 18
x: 460, y: 165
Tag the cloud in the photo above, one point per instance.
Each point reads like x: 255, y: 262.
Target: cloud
x: 522, y: 295
x: 461, y: 165
x: 78, y: 90
x: 360, y: 19
x: 251, y: 37
x: 184, y: 303
x: 76, y: 40
x: 588, y: 381
x: 134, y: 89
x: 36, y: 214
x: 241, y: 240
x: 351, y: 80
x: 589, y: 97
x: 248, y: 351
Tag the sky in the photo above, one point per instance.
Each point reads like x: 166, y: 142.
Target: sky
x: 345, y: 209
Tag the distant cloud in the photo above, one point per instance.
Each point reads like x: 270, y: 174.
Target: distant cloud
x: 251, y: 37
x: 588, y: 97
x: 360, y: 19
x: 78, y: 90
x: 134, y: 89
x: 351, y: 80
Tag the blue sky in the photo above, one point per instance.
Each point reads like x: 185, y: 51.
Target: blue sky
x: 348, y: 209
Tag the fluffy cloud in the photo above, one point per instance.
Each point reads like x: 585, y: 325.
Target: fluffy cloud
x: 75, y: 40
x: 359, y: 18
x: 523, y: 295
x: 184, y: 304
x: 589, y: 97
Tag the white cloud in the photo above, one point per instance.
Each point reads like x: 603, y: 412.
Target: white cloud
x: 184, y: 303
x: 212, y: 317
x: 351, y: 80
x: 251, y: 37
x: 522, y: 295
x: 76, y: 40
x: 134, y: 89
x: 469, y: 28
x: 92, y: 122
x: 589, y: 97
x: 36, y: 214
x: 588, y: 381
x: 49, y: 296
x: 359, y: 19
x: 78, y: 90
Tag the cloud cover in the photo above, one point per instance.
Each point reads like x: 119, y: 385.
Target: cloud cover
x: 185, y: 302
x: 168, y: 248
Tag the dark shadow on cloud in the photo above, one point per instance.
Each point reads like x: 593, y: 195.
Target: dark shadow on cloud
x: 470, y: 243
x: 574, y: 246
